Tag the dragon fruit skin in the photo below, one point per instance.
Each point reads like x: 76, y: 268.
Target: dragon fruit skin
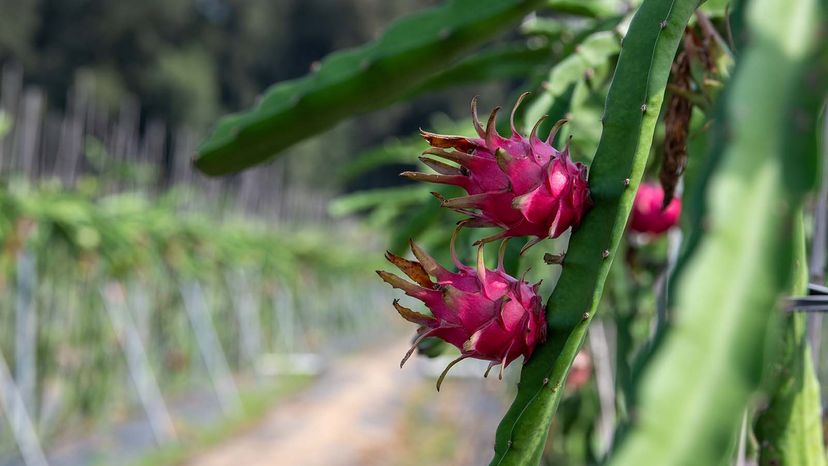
x: 523, y: 185
x: 647, y: 214
x: 486, y: 314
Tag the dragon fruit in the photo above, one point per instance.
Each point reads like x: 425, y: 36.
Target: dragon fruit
x: 522, y: 185
x: 486, y: 314
x: 649, y: 214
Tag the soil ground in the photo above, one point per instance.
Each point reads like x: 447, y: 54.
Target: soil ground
x: 366, y: 411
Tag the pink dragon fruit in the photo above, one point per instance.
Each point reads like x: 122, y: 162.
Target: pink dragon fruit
x: 523, y: 185
x: 648, y: 216
x: 486, y: 314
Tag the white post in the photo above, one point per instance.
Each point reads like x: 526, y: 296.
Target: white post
x: 605, y: 382
x: 138, y: 364
x: 21, y: 423
x: 25, y: 342
x: 818, y: 252
x: 210, y: 348
x: 285, y: 325
x: 247, y: 304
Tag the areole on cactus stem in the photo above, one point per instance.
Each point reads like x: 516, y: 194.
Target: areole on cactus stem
x: 522, y: 185
x: 487, y: 314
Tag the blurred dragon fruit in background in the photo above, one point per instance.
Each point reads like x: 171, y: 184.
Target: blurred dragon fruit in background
x: 523, y: 185
x: 649, y: 214
x: 486, y: 314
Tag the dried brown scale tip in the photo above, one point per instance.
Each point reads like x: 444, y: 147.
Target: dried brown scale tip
x: 533, y: 134
x: 460, y: 143
x: 441, y: 167
x: 489, y: 239
x: 439, y: 196
x: 475, y: 118
x: 432, y: 178
x: 427, y: 262
x: 462, y: 158
x: 465, y: 202
x: 477, y: 223
x: 554, y: 259
x: 514, y: 111
x: 446, y: 370
x: 411, y: 316
x: 555, y: 128
x: 529, y: 244
x: 491, y: 126
x: 414, y: 270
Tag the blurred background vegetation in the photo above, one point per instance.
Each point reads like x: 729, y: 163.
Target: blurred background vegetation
x: 189, y: 61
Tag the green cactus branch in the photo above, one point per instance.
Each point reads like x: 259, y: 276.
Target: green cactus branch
x: 630, y: 116
x: 789, y: 430
x: 359, y: 80
x: 727, y: 297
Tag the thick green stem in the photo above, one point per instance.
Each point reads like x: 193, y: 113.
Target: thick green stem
x: 410, y: 52
x: 630, y: 116
x: 698, y: 385
x: 789, y: 430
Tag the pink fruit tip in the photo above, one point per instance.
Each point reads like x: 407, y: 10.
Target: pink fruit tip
x: 487, y: 314
x: 648, y: 216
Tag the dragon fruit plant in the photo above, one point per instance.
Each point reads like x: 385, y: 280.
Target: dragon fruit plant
x: 520, y: 184
x: 487, y: 314
x: 763, y: 140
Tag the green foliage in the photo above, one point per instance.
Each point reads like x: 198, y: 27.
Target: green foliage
x: 359, y: 80
x: 186, y: 81
x: 511, y: 61
x: 789, y: 430
x: 727, y: 297
x: 594, y: 51
x: 633, y: 104
x: 83, y: 242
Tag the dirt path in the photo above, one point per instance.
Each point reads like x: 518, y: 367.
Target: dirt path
x: 341, y: 419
